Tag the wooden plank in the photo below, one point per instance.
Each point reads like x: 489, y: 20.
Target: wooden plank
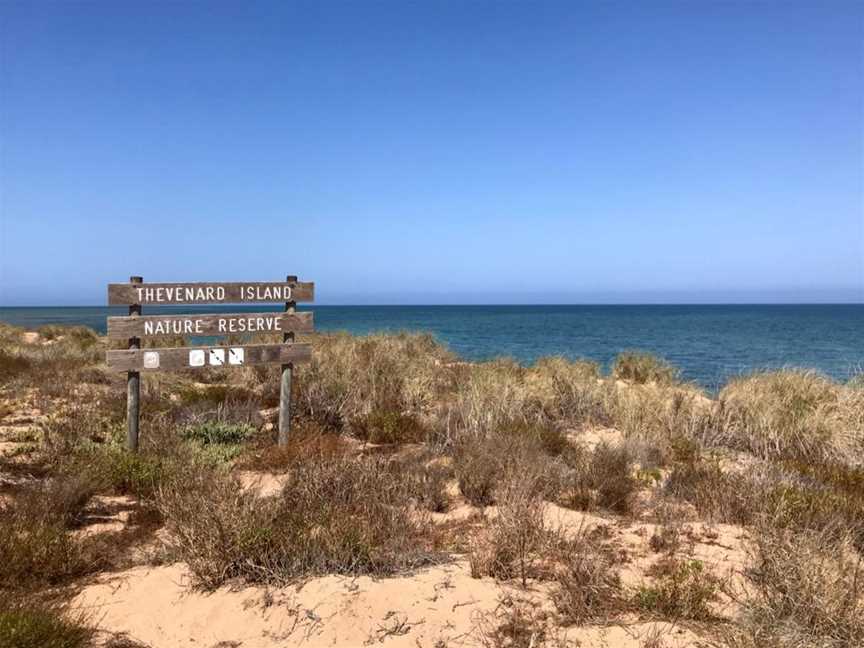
x: 174, y: 358
x: 211, y: 292
x: 211, y: 324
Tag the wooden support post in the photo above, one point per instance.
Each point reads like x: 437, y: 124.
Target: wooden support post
x: 285, y: 385
x: 133, y: 384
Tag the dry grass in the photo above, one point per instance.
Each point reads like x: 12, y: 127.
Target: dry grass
x: 482, y: 464
x: 516, y: 535
x: 571, y: 392
x: 718, y: 496
x: 807, y: 590
x: 388, y: 427
x: 62, y: 350
x: 350, y: 377
x: 791, y: 414
x: 36, y: 547
x: 641, y: 368
x: 661, y: 416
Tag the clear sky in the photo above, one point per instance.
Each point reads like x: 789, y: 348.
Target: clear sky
x: 437, y: 152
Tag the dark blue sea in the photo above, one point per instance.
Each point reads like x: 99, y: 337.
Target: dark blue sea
x: 708, y: 343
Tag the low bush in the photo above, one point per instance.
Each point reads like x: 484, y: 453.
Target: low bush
x: 219, y: 441
x: 381, y: 426
x: 477, y: 467
x: 683, y: 590
x: 516, y: 535
x: 12, y: 364
x: 809, y: 507
x: 426, y: 480
x: 481, y: 464
x: 602, y: 478
x: 307, y: 439
x: 114, y: 468
x: 36, y: 548
x: 641, y: 368
x: 587, y: 587
x: 334, y: 515
x: 722, y: 497
x: 218, y: 432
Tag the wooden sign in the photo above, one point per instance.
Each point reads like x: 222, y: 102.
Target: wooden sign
x: 210, y: 293
x: 134, y: 360
x: 204, y: 325
x: 173, y: 358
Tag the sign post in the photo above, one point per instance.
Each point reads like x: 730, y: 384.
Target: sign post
x: 134, y: 359
x: 286, y: 379
x: 133, y: 383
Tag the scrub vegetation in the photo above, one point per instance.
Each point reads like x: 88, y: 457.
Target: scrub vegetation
x: 403, y: 457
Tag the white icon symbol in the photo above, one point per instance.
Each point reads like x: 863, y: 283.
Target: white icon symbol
x: 151, y: 359
x: 196, y: 358
x: 235, y: 356
x: 217, y: 357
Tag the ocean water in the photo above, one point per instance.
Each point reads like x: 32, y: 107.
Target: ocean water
x: 708, y: 343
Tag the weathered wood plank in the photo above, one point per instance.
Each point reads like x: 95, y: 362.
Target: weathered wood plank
x: 211, y: 324
x: 211, y: 292
x: 175, y: 358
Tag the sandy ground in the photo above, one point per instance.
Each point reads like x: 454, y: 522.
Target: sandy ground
x: 436, y: 607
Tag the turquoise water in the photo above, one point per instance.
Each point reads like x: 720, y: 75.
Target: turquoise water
x: 708, y: 343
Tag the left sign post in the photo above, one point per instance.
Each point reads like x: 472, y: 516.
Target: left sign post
x: 133, y: 382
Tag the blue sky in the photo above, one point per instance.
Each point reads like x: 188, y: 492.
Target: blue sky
x: 439, y: 152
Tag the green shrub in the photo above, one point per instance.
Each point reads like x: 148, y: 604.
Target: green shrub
x: 383, y: 426
x: 683, y: 590
x: 643, y: 368
x: 126, y: 473
x: 27, y: 623
x: 218, y: 432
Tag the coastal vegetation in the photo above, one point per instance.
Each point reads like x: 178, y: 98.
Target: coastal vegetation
x: 598, y: 498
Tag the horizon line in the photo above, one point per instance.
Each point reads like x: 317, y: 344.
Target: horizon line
x: 458, y: 305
